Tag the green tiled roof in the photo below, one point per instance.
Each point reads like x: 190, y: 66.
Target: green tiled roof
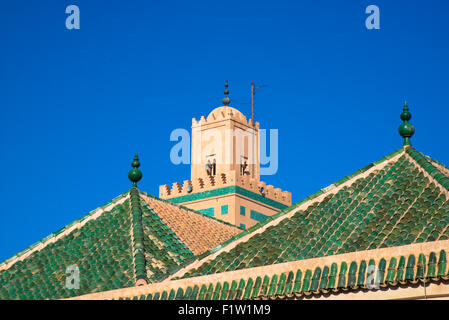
x: 157, y: 250
x: 164, y: 251
x: 108, y: 255
x: 322, y: 280
x: 101, y: 249
x: 440, y: 177
x: 394, y: 206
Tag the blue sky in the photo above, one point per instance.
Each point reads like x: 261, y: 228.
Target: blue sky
x: 77, y: 104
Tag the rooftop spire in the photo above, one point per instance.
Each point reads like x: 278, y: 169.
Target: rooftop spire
x: 226, y: 99
x: 406, y: 130
x: 135, y: 174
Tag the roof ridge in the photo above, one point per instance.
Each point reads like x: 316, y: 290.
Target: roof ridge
x: 64, y: 231
x: 166, y: 225
x: 334, y: 187
x: 355, y: 228
x: 137, y: 236
x: 421, y: 161
x: 440, y: 166
x: 188, y: 209
x: 172, y: 233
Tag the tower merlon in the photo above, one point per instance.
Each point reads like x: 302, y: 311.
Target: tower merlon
x: 224, y: 113
x: 221, y: 181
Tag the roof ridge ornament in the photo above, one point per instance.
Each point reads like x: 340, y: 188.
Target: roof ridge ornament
x: 406, y: 129
x: 226, y: 99
x: 135, y: 174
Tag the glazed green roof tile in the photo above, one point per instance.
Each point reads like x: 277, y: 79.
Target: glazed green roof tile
x: 402, y: 202
x: 426, y: 164
x: 315, y: 282
x: 394, y: 206
x: 101, y: 249
x: 113, y: 250
x: 164, y: 251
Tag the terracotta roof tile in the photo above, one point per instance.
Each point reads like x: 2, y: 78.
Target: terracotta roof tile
x: 198, y: 232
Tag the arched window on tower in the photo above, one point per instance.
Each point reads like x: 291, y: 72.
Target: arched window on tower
x: 211, y: 167
x: 208, y: 168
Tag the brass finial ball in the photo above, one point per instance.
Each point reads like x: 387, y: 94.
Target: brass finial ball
x: 135, y: 175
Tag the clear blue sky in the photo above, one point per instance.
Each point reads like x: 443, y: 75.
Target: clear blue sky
x: 77, y: 104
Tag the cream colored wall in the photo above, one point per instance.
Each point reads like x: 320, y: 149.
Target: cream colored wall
x: 249, y: 205
x: 432, y: 291
x: 216, y: 203
x: 215, y: 137
x: 212, y: 182
x: 234, y: 202
x: 221, y: 127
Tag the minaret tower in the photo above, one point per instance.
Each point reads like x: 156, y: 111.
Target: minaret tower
x: 225, y: 170
x: 225, y: 143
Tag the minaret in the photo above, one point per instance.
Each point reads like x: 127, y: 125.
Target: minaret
x: 225, y: 170
x: 223, y: 143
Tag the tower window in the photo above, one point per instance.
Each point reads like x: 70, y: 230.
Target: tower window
x: 242, y: 210
x: 244, y: 168
x: 224, y: 209
x: 211, y: 167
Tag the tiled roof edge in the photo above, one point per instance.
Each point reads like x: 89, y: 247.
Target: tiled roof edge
x: 393, y: 267
x: 54, y: 234
x: 440, y: 164
x: 426, y: 164
x: 191, y: 210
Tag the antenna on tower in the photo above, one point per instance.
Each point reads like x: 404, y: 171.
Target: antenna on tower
x: 253, y: 92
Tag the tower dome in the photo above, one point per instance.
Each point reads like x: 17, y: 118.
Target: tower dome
x: 226, y: 112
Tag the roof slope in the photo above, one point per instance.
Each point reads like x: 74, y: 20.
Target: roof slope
x: 163, y: 251
x: 115, y: 246
x: 199, y: 232
x: 101, y: 248
x: 391, y: 217
x: 396, y: 204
